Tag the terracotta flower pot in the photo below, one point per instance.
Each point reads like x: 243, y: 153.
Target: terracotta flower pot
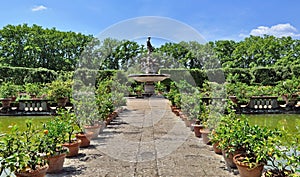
x: 108, y: 120
x: 217, y: 150
x: 244, y: 169
x: 173, y: 108
x: 115, y: 114
x: 73, y: 148
x: 61, y: 102
x: 233, y: 99
x: 187, y: 122
x: 40, y: 172
x: 228, y: 157
x: 85, y: 138
x: 56, y: 163
x: 276, y: 173
x: 192, y: 123
x: 183, y: 117
x: 6, y: 102
x: 204, y: 134
x: 95, y: 129
x: 197, y: 130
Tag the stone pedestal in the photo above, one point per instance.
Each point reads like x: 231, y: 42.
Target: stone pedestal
x: 149, y: 88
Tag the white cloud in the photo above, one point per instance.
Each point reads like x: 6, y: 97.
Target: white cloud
x: 39, y: 8
x: 278, y: 30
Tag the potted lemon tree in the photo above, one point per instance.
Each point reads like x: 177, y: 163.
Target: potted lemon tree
x: 54, y: 137
x: 71, y: 127
x: 60, y: 91
x: 22, y: 152
x: 8, y: 93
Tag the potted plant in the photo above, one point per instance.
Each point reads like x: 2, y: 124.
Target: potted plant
x: 284, y: 159
x: 189, y: 101
x: 86, y: 110
x: 21, y: 154
x: 196, y: 110
x: 160, y: 88
x: 118, y: 90
x: 60, y: 91
x: 54, y: 137
x: 214, y: 113
x: 139, y: 89
x: 87, y: 114
x: 257, y: 143
x: 104, y: 101
x: 105, y: 107
x: 33, y: 89
x: 228, y: 135
x: 71, y: 128
x: 172, y: 94
x: 239, y: 92
x: 8, y: 93
x: 289, y: 89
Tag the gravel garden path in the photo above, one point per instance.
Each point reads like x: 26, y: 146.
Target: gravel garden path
x: 146, y: 139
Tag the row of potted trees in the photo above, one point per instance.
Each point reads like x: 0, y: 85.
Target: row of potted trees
x: 57, y: 90
x: 32, y: 151
x: 64, y: 134
x: 249, y: 148
x: 242, y: 144
x: 287, y: 91
x: 35, y: 150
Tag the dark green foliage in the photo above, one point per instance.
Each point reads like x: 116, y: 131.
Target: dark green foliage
x: 254, y: 76
x: 105, y: 75
x: 295, y: 70
x: 283, y: 73
x: 216, y: 75
x: 20, y: 75
x: 264, y: 76
x: 199, y: 76
x: 265, y: 60
x: 234, y: 75
x: 34, y: 47
x: 192, y: 76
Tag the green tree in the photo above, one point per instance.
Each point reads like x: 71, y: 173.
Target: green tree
x: 33, y: 47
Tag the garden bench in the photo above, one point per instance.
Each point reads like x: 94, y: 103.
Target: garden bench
x: 263, y: 102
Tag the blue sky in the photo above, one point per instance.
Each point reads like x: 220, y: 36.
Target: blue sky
x: 213, y: 19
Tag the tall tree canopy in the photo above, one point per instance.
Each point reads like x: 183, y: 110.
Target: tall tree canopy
x: 258, y: 51
x: 33, y: 47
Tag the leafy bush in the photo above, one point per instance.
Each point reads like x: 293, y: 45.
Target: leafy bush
x: 54, y: 136
x: 60, y: 89
x: 104, y: 99
x: 21, y: 75
x: 22, y: 150
x: 8, y: 89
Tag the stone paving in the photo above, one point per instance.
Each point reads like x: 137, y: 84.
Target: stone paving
x: 147, y: 139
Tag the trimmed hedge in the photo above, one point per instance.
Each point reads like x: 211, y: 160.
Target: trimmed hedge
x: 254, y: 76
x: 196, y: 77
x: 183, y: 74
x: 243, y: 75
x: 20, y: 75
